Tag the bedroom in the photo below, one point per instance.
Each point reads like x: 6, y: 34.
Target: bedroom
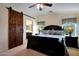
x: 50, y: 15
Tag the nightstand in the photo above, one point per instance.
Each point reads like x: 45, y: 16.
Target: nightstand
x: 71, y: 41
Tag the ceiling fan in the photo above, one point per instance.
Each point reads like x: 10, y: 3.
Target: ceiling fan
x: 40, y: 5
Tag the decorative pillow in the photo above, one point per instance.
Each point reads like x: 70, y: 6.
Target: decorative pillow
x: 51, y: 32
x: 46, y: 32
x: 58, y: 32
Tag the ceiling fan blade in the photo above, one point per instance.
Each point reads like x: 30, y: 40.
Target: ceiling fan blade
x: 47, y: 4
x: 32, y: 5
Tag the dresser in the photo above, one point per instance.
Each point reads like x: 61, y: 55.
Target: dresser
x: 71, y: 41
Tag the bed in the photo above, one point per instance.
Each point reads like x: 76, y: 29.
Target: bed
x: 52, y: 45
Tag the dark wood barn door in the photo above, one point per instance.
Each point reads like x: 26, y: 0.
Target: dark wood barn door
x: 15, y: 28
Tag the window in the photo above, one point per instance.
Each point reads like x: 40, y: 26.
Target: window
x: 69, y: 22
x: 29, y: 26
x: 40, y: 25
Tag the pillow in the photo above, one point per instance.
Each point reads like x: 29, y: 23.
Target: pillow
x: 46, y: 32
x: 58, y: 32
x: 51, y: 32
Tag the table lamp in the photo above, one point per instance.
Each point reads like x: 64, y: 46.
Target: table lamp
x: 69, y: 30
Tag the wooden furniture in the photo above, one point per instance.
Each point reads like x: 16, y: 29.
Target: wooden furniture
x: 54, y: 27
x: 46, y: 45
x: 28, y: 33
x: 15, y: 28
x: 72, y: 41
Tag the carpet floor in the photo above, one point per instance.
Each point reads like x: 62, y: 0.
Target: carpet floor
x: 22, y: 51
x: 73, y: 51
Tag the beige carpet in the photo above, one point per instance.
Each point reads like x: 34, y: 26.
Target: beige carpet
x: 22, y: 51
x: 29, y: 52
x: 73, y: 51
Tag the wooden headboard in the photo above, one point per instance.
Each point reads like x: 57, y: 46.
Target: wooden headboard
x: 55, y: 27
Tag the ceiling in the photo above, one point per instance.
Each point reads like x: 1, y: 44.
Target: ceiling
x: 56, y: 8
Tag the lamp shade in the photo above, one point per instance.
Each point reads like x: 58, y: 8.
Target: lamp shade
x: 69, y: 28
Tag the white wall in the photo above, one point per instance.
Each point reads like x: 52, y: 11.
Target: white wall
x: 49, y: 19
x: 24, y: 31
x: 55, y: 18
x: 34, y: 27
x: 3, y: 28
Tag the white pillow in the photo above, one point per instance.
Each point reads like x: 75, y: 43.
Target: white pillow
x: 58, y: 32
x: 46, y: 32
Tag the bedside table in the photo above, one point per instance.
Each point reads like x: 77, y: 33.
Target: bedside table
x: 71, y: 41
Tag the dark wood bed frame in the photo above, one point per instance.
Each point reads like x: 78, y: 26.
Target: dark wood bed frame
x: 46, y: 45
x: 49, y: 46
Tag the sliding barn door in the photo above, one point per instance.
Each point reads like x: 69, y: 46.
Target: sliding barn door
x: 15, y: 28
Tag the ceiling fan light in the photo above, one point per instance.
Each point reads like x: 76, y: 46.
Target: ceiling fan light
x: 39, y: 6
